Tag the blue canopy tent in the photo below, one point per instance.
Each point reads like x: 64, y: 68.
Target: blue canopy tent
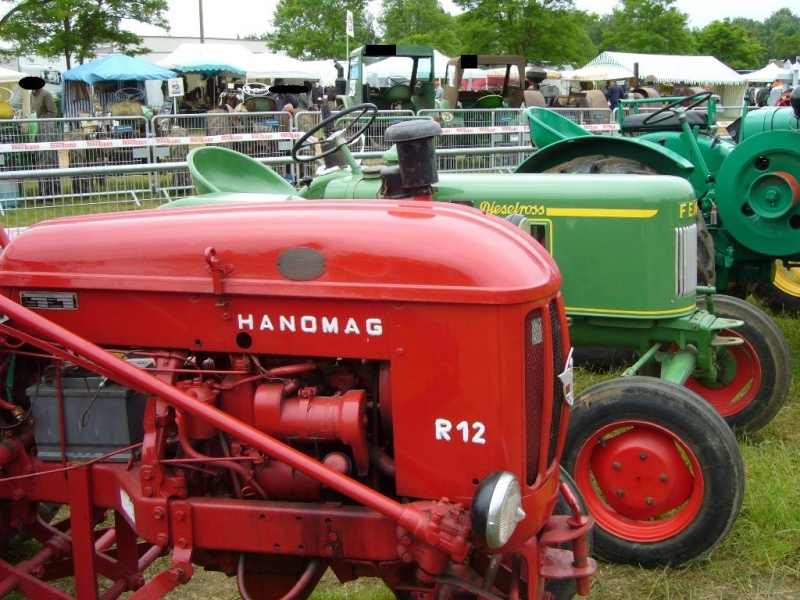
x: 210, y: 60
x: 118, y: 77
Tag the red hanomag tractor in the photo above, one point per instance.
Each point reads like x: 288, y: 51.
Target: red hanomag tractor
x: 271, y: 391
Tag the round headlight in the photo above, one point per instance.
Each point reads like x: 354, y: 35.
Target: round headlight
x: 497, y: 508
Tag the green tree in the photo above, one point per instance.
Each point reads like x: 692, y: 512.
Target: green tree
x: 74, y: 28
x: 595, y: 26
x: 648, y: 26
x: 548, y: 30
x: 315, y: 29
x: 757, y: 33
x: 731, y: 44
x: 782, y: 28
x: 788, y: 46
x: 422, y: 22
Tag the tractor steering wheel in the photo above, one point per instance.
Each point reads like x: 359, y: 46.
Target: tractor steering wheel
x: 693, y: 100
x: 255, y: 88
x: 399, y: 80
x: 361, y: 109
x: 129, y: 93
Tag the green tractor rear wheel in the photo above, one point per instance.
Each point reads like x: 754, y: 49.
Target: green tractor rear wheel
x: 754, y: 377
x: 783, y: 294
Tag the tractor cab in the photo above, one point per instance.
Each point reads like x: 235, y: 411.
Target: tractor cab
x: 392, y: 77
x: 484, y: 81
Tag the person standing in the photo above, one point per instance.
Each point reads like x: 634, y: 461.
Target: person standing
x: 304, y: 98
x: 777, y: 89
x: 613, y: 93
x: 317, y: 96
x: 43, y: 105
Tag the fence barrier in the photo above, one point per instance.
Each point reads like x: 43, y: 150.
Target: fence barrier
x: 62, y: 167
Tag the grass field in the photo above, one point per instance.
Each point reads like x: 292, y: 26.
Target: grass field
x: 758, y: 560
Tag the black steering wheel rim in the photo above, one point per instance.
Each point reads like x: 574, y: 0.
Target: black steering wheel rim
x: 362, y: 109
x: 693, y: 100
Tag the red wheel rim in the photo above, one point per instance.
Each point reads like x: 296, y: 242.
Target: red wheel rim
x: 740, y: 379
x: 641, y: 482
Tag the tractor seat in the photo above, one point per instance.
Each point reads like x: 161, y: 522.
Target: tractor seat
x: 695, y: 118
x: 398, y: 93
x: 491, y: 101
x: 216, y: 169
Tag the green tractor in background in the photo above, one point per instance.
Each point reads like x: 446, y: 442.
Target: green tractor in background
x: 747, y: 186
x: 484, y: 81
x: 481, y: 82
x: 405, y: 83
x: 658, y: 466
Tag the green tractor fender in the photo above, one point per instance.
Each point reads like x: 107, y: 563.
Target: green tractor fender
x: 662, y: 160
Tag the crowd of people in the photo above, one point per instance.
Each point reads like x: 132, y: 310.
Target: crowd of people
x: 776, y: 94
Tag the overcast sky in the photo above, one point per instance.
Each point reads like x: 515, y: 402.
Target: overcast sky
x: 227, y: 18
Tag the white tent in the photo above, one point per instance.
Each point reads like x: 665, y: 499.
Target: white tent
x: 674, y: 69
x: 9, y: 75
x: 325, y: 71
x: 9, y: 89
x: 439, y: 63
x: 597, y: 73
x: 264, y: 65
x: 769, y: 74
x: 670, y: 68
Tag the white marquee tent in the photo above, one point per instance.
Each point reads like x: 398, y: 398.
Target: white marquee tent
x: 8, y: 75
x: 264, y: 65
x: 670, y: 69
x: 597, y: 73
x: 769, y: 74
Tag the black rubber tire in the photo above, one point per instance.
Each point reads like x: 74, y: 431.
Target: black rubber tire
x: 603, y: 165
x: 775, y: 298
x: 565, y: 589
x: 659, y: 410
x: 772, y: 353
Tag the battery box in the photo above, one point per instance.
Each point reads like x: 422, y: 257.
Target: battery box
x: 99, y: 416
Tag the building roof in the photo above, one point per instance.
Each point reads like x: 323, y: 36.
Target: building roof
x: 671, y: 68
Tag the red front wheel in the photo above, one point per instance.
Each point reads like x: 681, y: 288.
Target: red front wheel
x: 659, y: 469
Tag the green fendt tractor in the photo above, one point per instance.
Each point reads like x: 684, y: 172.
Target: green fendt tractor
x: 747, y: 186
x: 659, y: 468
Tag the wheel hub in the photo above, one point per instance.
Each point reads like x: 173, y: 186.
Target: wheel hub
x: 642, y: 474
x: 773, y: 195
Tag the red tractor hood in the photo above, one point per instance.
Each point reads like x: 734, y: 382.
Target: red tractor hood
x: 391, y: 250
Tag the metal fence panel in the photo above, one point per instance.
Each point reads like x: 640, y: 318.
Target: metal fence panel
x: 59, y: 167
x: 257, y: 134
x: 62, y: 145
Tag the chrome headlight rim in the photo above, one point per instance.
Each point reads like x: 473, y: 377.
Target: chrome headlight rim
x: 497, y: 509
